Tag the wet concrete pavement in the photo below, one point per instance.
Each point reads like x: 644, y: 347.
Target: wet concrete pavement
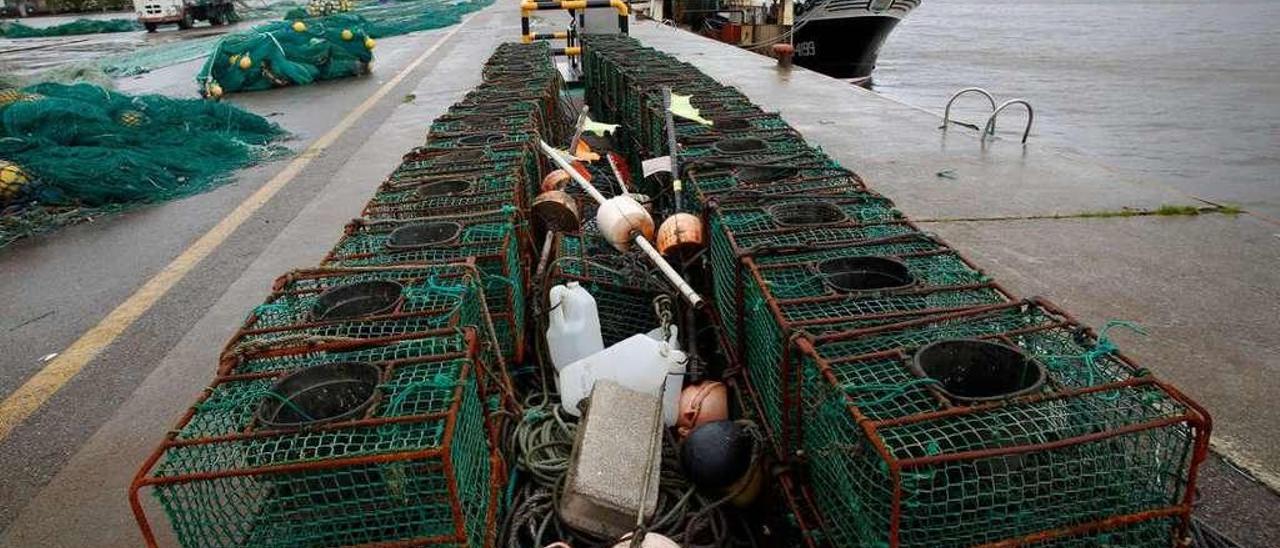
x: 85, y: 443
x: 1047, y: 222
x: 1205, y: 287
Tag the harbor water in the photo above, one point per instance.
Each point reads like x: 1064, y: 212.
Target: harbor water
x: 1185, y: 92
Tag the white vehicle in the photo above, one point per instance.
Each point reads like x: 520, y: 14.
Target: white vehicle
x: 153, y: 13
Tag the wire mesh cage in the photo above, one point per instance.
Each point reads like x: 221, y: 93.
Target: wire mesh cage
x: 622, y: 284
x: 764, y: 180
x: 985, y: 426
x: 352, y: 443
x: 429, y: 162
x: 361, y: 303
x: 492, y: 240
x: 444, y: 195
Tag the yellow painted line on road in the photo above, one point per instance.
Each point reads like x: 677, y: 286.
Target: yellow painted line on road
x: 44, y: 384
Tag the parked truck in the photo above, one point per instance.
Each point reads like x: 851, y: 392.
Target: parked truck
x: 153, y: 13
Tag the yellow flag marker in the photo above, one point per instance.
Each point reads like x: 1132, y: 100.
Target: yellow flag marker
x: 680, y: 106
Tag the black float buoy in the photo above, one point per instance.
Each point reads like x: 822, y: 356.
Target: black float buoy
x: 717, y: 454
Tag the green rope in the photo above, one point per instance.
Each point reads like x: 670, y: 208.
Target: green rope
x: 402, y: 392
x: 1101, y: 349
x: 247, y: 398
x: 890, y: 390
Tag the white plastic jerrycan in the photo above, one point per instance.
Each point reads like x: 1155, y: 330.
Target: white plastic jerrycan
x: 573, y: 325
x: 639, y: 363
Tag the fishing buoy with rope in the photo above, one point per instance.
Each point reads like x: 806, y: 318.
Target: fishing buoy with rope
x: 131, y: 118
x: 213, y: 90
x: 347, y: 35
x: 246, y: 62
x: 701, y: 403
x: 369, y: 43
x: 12, y: 181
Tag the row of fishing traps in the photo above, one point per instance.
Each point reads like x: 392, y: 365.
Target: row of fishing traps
x: 508, y: 349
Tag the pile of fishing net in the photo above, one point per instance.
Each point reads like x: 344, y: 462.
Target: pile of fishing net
x: 69, y: 152
x: 287, y: 53
x: 396, y: 17
x: 79, y: 26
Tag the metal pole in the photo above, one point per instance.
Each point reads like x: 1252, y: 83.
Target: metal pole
x: 670, y: 273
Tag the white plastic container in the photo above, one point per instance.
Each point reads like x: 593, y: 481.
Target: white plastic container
x: 573, y: 325
x: 638, y: 363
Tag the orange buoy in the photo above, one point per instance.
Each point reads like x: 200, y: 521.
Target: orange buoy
x: 701, y: 403
x: 556, y: 180
x: 681, y: 235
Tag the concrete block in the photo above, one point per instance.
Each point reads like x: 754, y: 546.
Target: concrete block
x: 619, y: 436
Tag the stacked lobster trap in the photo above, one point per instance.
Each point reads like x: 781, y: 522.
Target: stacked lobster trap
x: 362, y: 403
x: 917, y: 402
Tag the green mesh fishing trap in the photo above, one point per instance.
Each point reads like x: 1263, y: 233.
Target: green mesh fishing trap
x: 362, y: 303
x: 768, y: 296
x: 338, y: 443
x: 86, y: 150
x: 492, y: 240
x: 431, y: 161
x: 448, y: 194
x: 624, y: 285
x: 900, y: 454
x: 861, y: 385
x: 768, y: 179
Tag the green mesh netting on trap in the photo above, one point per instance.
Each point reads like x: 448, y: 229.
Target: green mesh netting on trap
x: 431, y: 479
x: 79, y: 26
x: 85, y: 150
x: 286, y: 53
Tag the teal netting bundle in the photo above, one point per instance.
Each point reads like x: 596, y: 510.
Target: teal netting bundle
x: 79, y: 26
x: 396, y: 17
x: 83, y: 150
x: 288, y: 53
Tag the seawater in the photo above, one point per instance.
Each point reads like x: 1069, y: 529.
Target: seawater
x: 1186, y: 92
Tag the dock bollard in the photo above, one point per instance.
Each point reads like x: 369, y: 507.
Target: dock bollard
x: 784, y: 53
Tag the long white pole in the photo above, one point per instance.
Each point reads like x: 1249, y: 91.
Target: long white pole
x: 670, y: 273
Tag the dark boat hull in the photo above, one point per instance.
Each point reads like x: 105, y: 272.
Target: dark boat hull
x: 844, y: 47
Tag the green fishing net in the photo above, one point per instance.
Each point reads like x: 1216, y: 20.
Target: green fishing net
x: 74, y: 151
x: 287, y: 53
x: 79, y: 26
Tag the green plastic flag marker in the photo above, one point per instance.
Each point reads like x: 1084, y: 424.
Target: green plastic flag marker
x: 598, y: 128
x: 680, y: 106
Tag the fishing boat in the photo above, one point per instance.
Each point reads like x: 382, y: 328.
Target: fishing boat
x: 842, y: 38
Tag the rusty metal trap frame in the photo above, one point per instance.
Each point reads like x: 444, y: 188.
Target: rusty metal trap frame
x: 721, y: 182
x: 427, y: 162
x: 358, y: 303
x: 493, y: 240
x: 901, y: 454
x: 623, y: 284
x: 766, y: 297
x: 446, y: 195
x: 724, y: 126
x: 357, y: 442
x: 1096, y: 451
